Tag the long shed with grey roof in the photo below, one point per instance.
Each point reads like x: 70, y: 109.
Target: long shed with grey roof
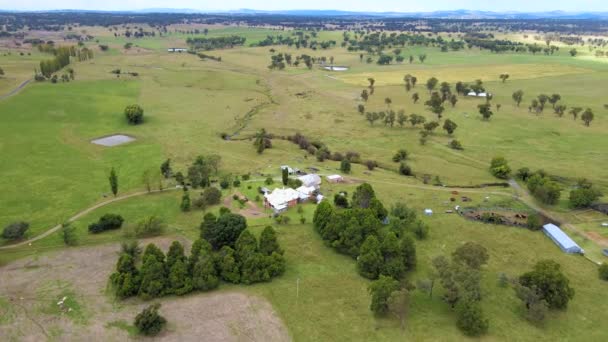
x: 561, y: 239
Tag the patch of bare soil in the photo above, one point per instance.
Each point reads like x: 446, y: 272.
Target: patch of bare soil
x: 251, y: 209
x: 598, y: 238
x: 30, y: 287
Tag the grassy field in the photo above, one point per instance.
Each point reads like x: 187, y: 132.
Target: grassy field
x: 51, y: 170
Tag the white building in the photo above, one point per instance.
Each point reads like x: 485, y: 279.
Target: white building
x: 289, y: 169
x: 177, y: 50
x: 306, y: 192
x: 335, y: 179
x: 280, y: 200
x: 311, y: 180
x: 428, y: 212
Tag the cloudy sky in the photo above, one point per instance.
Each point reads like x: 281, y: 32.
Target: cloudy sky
x: 351, y: 5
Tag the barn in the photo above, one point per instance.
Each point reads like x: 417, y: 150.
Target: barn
x: 562, y: 239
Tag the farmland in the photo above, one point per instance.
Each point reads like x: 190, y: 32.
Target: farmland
x: 51, y: 171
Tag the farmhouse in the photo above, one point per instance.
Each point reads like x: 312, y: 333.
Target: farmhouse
x: 311, y: 180
x: 306, y: 193
x: 177, y: 50
x: 561, y: 239
x: 335, y: 179
x: 280, y: 200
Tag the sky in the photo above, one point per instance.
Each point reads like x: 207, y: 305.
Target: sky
x: 351, y: 5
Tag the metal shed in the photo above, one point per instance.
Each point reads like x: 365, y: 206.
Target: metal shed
x: 562, y: 239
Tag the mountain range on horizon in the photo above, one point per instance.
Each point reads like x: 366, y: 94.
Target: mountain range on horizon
x: 447, y: 14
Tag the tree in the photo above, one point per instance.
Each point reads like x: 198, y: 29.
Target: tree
x: 449, y: 126
x: 453, y: 100
x: 126, y: 278
x: 573, y: 52
x: 211, y: 196
x: 587, y: 116
x: 470, y: 319
x: 165, y: 168
x: 415, y: 97
x: 180, y: 282
x: 228, y: 266
x: 518, y: 96
x: 113, y: 179
x: 551, y: 284
x: 553, y: 99
x: 186, y: 203
x: 416, y: 119
x: 407, y: 250
x: 370, y: 258
x: 134, y: 114
x: 431, y: 126
x: 455, y: 144
x: 363, y: 196
x: 401, y: 155
x: 431, y: 83
x: 398, y: 305
x: 223, y: 232
x: 472, y: 254
x: 262, y: 141
x: 68, y: 234
x: 345, y: 166
x: 603, y: 271
x: 15, y: 231
x: 204, y: 273
x: 485, y: 110
x: 388, y: 101
x: 364, y: 95
x: 422, y: 58
x: 583, y: 197
x: 542, y: 99
x: 401, y: 118
x: 106, y: 222
x: 285, y: 175
x: 268, y: 242
x: 500, y: 168
x: 1, y: 72
x: 504, y: 77
x: 153, y: 278
x: 361, y: 109
x: 371, y: 81
x: 149, y: 322
x: 371, y: 117
x: 380, y: 291
x: 536, y: 307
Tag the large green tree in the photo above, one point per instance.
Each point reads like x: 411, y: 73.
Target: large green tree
x: 552, y: 285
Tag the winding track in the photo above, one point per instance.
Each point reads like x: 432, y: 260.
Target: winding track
x: 16, y: 90
x: 82, y: 213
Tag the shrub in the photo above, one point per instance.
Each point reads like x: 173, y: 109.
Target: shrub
x: 371, y: 164
x: 401, y: 155
x: 134, y: 114
x: 149, y: 322
x: 456, y: 145
x: 15, y: 231
x: 224, y: 184
x: 499, y: 168
x: 470, y: 318
x: 269, y: 181
x: 405, y: 169
x: 603, y: 271
x: 236, y: 183
x: 246, y: 177
x: 68, y: 234
x: 150, y: 226
x: 106, y: 222
x: 340, y: 201
x: 345, y: 166
x: 533, y: 222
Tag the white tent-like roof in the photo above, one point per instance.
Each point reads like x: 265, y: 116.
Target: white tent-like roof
x: 562, y: 239
x: 281, y: 197
x: 305, y: 191
x: 311, y: 180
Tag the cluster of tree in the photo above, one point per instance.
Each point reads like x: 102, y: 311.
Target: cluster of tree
x: 538, y: 104
x: 262, y: 140
x: 106, y: 222
x: 542, y: 289
x: 322, y: 152
x: 199, y: 173
x: 584, y: 194
x: 202, y: 43
x: 15, y: 230
x: 62, y: 58
x: 299, y: 39
x: 460, y: 278
x: 134, y: 114
x: 239, y: 260
x: 541, y: 186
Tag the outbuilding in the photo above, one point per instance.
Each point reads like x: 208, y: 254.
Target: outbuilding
x: 311, y: 180
x: 561, y: 239
x: 428, y: 212
x: 335, y: 179
x: 281, y: 199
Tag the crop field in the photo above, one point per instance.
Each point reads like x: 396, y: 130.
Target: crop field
x: 51, y: 172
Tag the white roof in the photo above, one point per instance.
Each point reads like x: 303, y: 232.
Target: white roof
x: 310, y: 180
x: 472, y: 93
x: 280, y: 197
x: 482, y: 95
x: 561, y: 238
x: 428, y: 211
x: 307, y: 190
x: 334, y: 177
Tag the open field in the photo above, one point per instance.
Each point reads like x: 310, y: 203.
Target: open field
x: 51, y: 171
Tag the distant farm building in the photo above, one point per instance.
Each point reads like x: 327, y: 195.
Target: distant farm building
x: 428, y: 212
x: 306, y: 193
x: 472, y: 93
x: 177, y: 50
x: 311, y: 180
x: 561, y: 239
x: 335, y: 179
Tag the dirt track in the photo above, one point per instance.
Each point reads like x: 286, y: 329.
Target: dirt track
x: 30, y: 288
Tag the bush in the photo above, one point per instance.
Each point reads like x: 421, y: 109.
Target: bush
x: 456, y: 145
x: 405, y: 169
x: 470, y: 318
x: 106, y: 222
x: 371, y: 164
x: 224, y: 184
x: 345, y: 166
x: 603, y: 271
x: 68, y: 233
x: 151, y: 226
x: 269, y: 181
x: 534, y: 222
x: 401, y: 155
x: 499, y: 168
x: 149, y: 322
x: 15, y: 231
x: 134, y: 114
